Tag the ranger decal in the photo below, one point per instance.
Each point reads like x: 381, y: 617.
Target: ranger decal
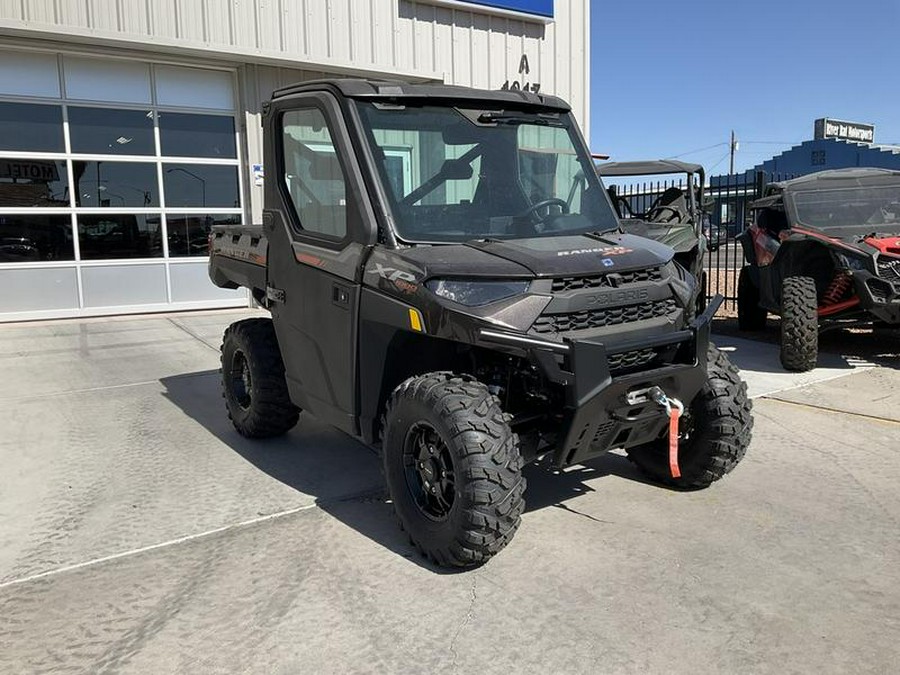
x: 605, y: 250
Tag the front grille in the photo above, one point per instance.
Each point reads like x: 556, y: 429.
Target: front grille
x: 612, y: 280
x: 889, y: 269
x: 880, y: 290
x: 602, y: 317
x: 639, y: 358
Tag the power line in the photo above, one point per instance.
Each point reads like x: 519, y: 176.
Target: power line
x: 691, y: 152
x: 773, y: 142
x: 721, y: 159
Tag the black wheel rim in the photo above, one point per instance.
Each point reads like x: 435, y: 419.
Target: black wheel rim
x: 430, y: 475
x: 240, y: 379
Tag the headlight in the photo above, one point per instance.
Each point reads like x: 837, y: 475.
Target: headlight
x: 473, y: 293
x: 852, y: 262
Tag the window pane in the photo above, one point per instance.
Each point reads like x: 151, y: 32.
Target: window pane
x: 188, y: 233
x: 33, y: 182
x: 31, y: 127
x: 111, y: 132
x: 28, y: 238
x: 29, y: 74
x: 102, y: 237
x: 313, y: 173
x: 115, y: 184
x: 200, y: 185
x: 193, y: 87
x: 107, y: 80
x: 185, y: 135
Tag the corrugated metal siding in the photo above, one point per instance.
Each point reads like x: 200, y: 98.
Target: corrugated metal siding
x: 256, y: 85
x: 413, y: 39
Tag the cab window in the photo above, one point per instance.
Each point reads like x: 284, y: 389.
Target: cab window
x: 313, y: 175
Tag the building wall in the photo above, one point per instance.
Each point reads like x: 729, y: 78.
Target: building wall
x: 413, y: 40
x: 254, y: 46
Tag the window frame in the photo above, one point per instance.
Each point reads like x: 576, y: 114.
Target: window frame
x: 330, y: 111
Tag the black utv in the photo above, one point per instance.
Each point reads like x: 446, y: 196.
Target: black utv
x: 671, y: 214
x: 823, y: 252
x: 448, y: 283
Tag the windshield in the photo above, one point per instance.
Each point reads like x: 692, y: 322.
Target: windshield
x: 454, y: 175
x: 864, y: 208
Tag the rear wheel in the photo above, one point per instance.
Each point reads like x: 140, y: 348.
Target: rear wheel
x: 751, y: 316
x: 453, y: 468
x: 715, y: 431
x: 253, y: 382
x: 799, y: 324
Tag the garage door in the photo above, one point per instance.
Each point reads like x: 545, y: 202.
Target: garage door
x: 111, y: 174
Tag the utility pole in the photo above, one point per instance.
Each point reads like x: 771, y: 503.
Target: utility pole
x: 733, y: 146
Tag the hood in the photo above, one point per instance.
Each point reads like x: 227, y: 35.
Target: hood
x: 681, y: 237
x: 573, y: 255
x: 890, y: 245
x: 855, y: 234
x: 861, y: 240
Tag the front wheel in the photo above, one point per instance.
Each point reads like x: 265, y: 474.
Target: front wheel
x: 799, y: 324
x: 453, y: 468
x: 715, y: 431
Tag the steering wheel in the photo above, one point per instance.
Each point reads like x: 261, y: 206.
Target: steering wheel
x: 544, y: 203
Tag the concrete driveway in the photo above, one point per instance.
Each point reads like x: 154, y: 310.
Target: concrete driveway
x: 140, y: 533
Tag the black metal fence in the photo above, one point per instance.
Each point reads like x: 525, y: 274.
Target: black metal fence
x: 727, y: 214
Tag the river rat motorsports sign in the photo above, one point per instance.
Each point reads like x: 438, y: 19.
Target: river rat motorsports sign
x: 848, y: 131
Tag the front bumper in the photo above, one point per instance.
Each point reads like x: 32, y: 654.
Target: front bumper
x: 598, y: 417
x: 878, y: 296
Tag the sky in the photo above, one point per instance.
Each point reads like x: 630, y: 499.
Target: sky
x: 670, y: 78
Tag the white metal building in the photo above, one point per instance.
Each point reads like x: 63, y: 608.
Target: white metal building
x: 128, y: 127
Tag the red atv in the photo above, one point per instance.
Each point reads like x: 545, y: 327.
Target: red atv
x: 823, y: 252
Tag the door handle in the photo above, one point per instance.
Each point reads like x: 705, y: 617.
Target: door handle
x: 340, y: 296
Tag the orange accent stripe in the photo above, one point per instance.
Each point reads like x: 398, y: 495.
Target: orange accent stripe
x: 254, y: 258
x: 309, y: 259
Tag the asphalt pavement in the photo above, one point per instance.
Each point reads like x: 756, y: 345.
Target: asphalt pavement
x: 140, y: 533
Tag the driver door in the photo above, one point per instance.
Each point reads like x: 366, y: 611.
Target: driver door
x: 319, y: 223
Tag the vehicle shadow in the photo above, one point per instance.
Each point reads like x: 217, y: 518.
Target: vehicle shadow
x: 344, y: 476
x: 842, y: 348
x: 551, y: 488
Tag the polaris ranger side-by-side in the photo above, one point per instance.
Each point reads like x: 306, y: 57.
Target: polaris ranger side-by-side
x: 673, y: 217
x: 448, y: 282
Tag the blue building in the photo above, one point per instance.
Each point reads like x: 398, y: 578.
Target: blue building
x: 828, y: 153
x: 836, y: 145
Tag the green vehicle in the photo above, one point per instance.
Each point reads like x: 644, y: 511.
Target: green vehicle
x: 674, y: 216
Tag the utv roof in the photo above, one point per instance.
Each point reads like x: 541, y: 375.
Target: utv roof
x: 647, y: 167
x: 840, y: 178
x: 395, y: 90
x: 833, y: 179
